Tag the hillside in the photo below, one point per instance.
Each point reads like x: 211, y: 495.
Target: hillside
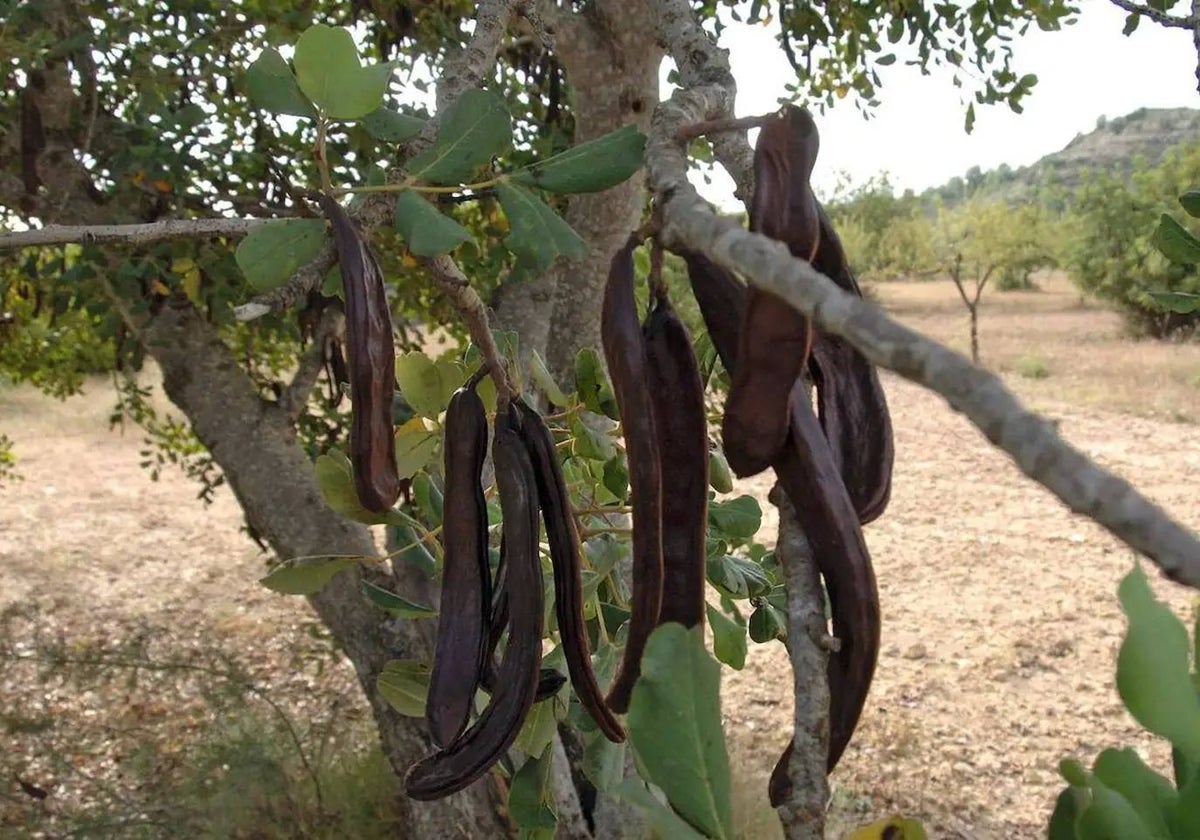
x: 1114, y: 145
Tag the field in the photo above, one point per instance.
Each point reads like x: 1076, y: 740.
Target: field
x: 137, y: 645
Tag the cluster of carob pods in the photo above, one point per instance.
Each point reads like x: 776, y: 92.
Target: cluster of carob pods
x: 833, y: 463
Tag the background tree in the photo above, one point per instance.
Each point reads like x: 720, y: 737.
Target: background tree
x: 135, y: 113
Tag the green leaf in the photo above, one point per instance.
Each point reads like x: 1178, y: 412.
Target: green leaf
x: 1176, y: 242
x: 330, y: 74
x: 530, y: 801
x: 675, y: 727
x: 616, y: 477
x: 591, y: 443
x: 739, y: 518
x: 474, y: 128
x: 729, y: 638
x: 428, y: 497
x: 271, y: 85
x: 543, y: 379
x: 665, y: 822
x: 720, y: 477
x: 589, y: 167
x: 391, y: 126
x: 767, y: 623
x: 415, y: 447
x: 603, y: 762
x: 1184, y: 816
x: 394, y: 605
x: 540, y: 727
x: 1153, y: 673
x: 332, y: 285
x: 335, y: 479
x: 409, y: 549
x: 305, y: 575
x: 1066, y: 812
x: 1182, y: 302
x: 592, y: 385
x: 271, y: 254
x: 427, y: 231
x: 1191, y: 203
x: 1131, y: 24
x: 426, y: 384
x: 404, y: 683
x: 737, y: 577
x: 537, y: 235
x: 1110, y: 816
x: 1148, y: 793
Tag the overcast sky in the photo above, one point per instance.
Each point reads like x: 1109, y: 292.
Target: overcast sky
x: 916, y: 135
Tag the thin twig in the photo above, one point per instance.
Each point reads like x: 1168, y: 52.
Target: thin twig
x: 1159, y: 17
x: 688, y: 133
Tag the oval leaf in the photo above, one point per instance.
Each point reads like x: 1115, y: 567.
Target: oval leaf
x: 1176, y: 242
x: 415, y: 446
x: 1191, y: 203
x: 665, y: 822
x: 404, y: 683
x: 271, y: 254
x: 474, y: 128
x: 729, y: 639
x: 271, y: 85
x: 537, y: 235
x: 675, y: 728
x: 330, y: 74
x: 427, y: 231
x: 720, y: 476
x: 1153, y: 670
x: 589, y: 167
x: 335, y: 478
x: 395, y: 605
x: 738, y: 518
x: 305, y: 575
x: 542, y: 378
x: 420, y: 381
x: 392, y: 126
x: 530, y: 802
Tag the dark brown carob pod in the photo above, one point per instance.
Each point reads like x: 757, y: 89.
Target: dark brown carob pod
x: 485, y: 742
x: 850, y: 399
x: 681, y: 428
x: 624, y: 349
x: 809, y: 474
x: 371, y: 360
x: 567, y: 563
x: 462, y: 634
x: 774, y: 338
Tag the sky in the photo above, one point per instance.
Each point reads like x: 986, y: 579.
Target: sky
x: 917, y: 135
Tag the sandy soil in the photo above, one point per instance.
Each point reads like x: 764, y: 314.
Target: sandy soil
x: 1000, y: 614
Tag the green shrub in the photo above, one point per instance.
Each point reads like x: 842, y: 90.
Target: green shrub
x: 1032, y: 367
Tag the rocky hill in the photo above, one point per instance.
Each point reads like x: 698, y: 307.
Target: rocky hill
x: 1114, y: 145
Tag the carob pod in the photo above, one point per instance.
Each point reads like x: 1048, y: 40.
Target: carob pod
x: 625, y: 351
x: 808, y: 472
x: 564, y: 557
x: 681, y: 428
x: 371, y: 359
x: 852, y: 406
x: 774, y: 338
x: 485, y: 742
x: 462, y: 638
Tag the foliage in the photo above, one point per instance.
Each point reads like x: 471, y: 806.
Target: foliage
x: 8, y: 460
x: 1113, y: 243
x: 1160, y: 686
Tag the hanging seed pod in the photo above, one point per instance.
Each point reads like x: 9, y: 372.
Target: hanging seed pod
x: 624, y: 349
x: 371, y: 363
x: 681, y: 429
x: 459, y: 655
x: 470, y: 756
x: 564, y: 557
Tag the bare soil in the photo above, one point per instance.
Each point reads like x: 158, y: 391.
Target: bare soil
x: 1000, y: 614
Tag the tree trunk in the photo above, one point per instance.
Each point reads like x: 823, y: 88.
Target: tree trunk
x: 974, y: 310
x: 611, y: 60
x: 272, y: 478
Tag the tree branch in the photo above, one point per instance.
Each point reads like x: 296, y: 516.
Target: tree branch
x: 146, y: 234
x: 803, y: 812
x: 689, y: 223
x: 1161, y: 18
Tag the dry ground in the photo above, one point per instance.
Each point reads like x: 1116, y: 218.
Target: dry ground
x: 1000, y: 615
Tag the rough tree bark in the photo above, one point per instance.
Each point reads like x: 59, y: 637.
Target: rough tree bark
x: 611, y: 59
x: 271, y: 476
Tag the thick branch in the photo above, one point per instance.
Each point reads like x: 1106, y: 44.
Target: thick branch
x: 803, y: 812
x: 146, y: 234
x: 1161, y: 18
x: 689, y: 223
